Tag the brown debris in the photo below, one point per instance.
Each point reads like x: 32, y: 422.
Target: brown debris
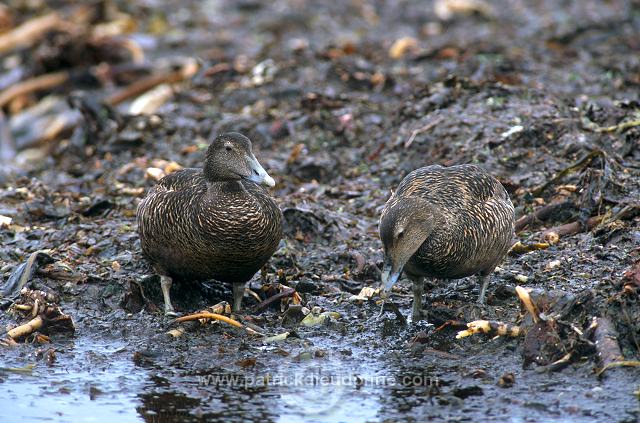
x: 631, y: 280
x: 46, y: 316
x: 549, y: 340
x: 507, y: 380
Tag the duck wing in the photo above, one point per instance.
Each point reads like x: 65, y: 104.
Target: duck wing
x: 454, y: 186
x: 182, y: 179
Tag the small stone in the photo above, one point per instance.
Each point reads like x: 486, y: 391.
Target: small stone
x: 521, y: 278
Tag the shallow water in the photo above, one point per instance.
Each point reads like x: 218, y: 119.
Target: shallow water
x: 101, y: 382
x: 98, y: 380
x: 94, y: 383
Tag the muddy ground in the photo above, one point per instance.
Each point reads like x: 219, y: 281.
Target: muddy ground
x: 339, y: 111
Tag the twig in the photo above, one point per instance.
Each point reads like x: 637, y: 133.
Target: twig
x: 453, y: 324
x: 220, y: 317
x: 27, y: 33
x: 623, y: 363
x: 558, y: 364
x: 627, y: 212
x: 38, y: 83
x: 28, y: 369
x: 23, y: 307
x: 284, y: 293
x: 418, y: 131
x: 376, y: 152
x: 619, y: 127
x: 574, y: 167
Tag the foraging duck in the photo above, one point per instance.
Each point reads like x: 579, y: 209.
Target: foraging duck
x: 211, y: 223
x: 447, y: 223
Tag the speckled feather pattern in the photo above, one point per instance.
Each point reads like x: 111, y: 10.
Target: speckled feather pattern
x: 475, y: 228
x: 194, y: 230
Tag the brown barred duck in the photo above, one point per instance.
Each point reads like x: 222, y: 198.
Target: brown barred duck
x: 211, y: 223
x: 445, y: 223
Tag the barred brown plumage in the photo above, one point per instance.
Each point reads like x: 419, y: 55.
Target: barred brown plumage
x: 211, y: 223
x: 445, y: 223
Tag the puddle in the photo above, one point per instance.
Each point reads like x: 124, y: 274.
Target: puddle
x: 83, y: 385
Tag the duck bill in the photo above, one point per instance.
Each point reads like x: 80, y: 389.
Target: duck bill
x: 390, y: 275
x: 259, y: 175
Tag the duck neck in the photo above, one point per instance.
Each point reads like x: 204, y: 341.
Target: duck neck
x: 226, y: 187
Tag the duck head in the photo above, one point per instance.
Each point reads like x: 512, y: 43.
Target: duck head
x: 230, y: 158
x: 405, y: 224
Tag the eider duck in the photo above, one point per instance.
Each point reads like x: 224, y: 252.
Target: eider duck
x: 211, y: 223
x: 445, y: 223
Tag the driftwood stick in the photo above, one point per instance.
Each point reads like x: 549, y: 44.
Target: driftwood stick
x: 606, y: 340
x: 572, y: 228
x: 26, y: 329
x: 541, y: 214
x: 490, y: 327
x: 145, y: 84
x: 141, y: 86
x: 38, y: 83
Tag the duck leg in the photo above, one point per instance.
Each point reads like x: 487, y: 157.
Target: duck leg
x: 418, y: 290
x: 484, y: 282
x: 165, y: 285
x: 238, y: 293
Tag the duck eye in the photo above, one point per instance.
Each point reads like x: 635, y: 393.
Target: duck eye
x: 228, y: 148
x: 400, y: 234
